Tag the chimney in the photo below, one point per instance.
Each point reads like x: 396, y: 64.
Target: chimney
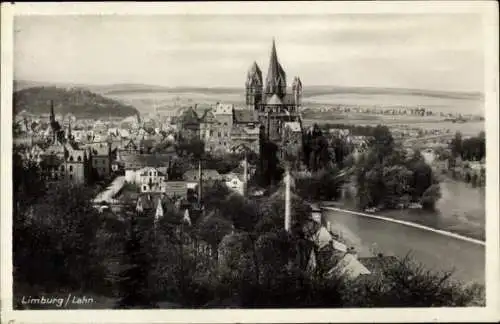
x: 287, y: 201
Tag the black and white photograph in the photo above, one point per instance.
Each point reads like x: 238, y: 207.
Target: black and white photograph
x: 212, y: 160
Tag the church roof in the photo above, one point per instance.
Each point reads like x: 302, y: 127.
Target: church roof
x: 296, y: 83
x: 275, y: 73
x: 254, y: 75
x: 244, y: 116
x: 274, y: 100
x: 254, y: 69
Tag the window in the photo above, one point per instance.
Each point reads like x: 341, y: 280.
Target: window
x: 70, y: 168
x: 62, y: 167
x: 79, y: 158
x: 70, y: 177
x: 71, y: 158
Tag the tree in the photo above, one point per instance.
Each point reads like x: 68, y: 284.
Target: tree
x: 396, y: 184
x: 431, y: 196
x: 213, y: 228
x: 135, y: 291
x: 61, y: 222
x: 382, y: 141
x: 406, y: 283
x: 456, y: 145
x: 323, y: 185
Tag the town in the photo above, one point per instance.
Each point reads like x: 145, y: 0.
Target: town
x: 222, y: 205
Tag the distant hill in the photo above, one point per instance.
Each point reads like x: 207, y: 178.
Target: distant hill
x: 309, y: 90
x: 80, y: 102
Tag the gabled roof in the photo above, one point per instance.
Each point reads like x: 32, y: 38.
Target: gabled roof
x: 152, y: 160
x: 274, y: 100
x: 207, y: 174
x: 322, y: 238
x: 223, y: 109
x: 208, y: 117
x: 351, y: 266
x: 176, y: 188
x: 189, y: 116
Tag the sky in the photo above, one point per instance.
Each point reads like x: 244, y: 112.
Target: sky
x: 420, y: 51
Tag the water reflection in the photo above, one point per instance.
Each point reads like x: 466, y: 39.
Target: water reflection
x: 461, y: 210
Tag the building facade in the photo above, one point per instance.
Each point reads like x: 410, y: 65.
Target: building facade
x: 270, y: 99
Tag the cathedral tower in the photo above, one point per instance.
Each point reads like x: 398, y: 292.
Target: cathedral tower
x: 297, y: 92
x: 276, y: 77
x: 253, y: 86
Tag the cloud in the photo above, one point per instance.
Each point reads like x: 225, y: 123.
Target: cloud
x: 200, y: 50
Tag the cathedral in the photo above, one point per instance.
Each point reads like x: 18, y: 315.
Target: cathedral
x: 275, y: 107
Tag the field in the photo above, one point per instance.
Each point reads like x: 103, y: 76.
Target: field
x: 171, y: 100
x: 146, y: 102
x: 434, y: 103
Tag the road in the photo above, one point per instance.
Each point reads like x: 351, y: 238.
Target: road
x: 433, y: 249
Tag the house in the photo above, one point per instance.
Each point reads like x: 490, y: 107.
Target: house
x: 66, y: 162
x: 133, y: 162
x: 350, y: 265
x: 131, y: 146
x: 210, y: 175
x: 34, y: 154
x: 102, y: 157
x: 151, y: 179
x: 235, y: 182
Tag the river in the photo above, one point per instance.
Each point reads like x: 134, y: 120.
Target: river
x: 461, y: 210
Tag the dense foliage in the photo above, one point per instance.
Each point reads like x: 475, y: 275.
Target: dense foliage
x: 388, y: 176
x: 79, y: 102
x: 68, y: 233
x: 469, y: 149
x: 235, y: 255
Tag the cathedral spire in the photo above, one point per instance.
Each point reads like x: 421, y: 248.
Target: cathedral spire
x: 276, y: 77
x: 52, y: 115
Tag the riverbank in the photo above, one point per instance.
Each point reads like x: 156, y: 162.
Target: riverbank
x: 435, y: 251
x: 410, y: 224
x: 460, y: 210
x: 459, y: 225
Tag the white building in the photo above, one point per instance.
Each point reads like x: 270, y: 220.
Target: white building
x: 235, y: 182
x: 149, y: 179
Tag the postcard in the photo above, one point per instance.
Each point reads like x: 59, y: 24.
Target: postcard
x: 229, y: 162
